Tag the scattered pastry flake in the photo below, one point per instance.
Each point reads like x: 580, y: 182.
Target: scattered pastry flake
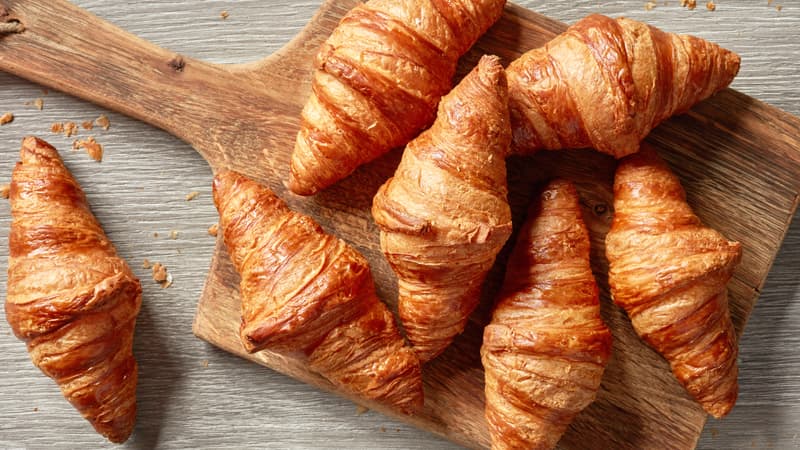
x: 649, y: 6
x: 361, y: 410
x: 103, y: 122
x: 5, y: 189
x: 146, y: 264
x: 6, y: 118
x: 70, y: 129
x: 779, y: 8
x: 35, y: 409
x: 213, y: 229
x: 224, y: 15
x: 155, y: 234
x: 161, y: 276
x: 192, y: 195
x: 57, y: 127
x: 173, y: 234
x: 39, y: 104
x: 92, y: 147
x: 87, y: 124
x: 205, y: 363
x: 691, y: 4
x: 383, y: 429
x: 711, y: 6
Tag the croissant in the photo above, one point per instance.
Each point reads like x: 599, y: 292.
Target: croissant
x: 306, y: 292
x: 607, y: 83
x: 445, y: 214
x: 546, y: 347
x: 70, y: 297
x: 377, y: 81
x: 669, y: 272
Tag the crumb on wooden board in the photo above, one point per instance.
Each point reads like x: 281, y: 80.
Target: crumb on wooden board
x: 6, y: 118
x: 5, y: 189
x: 103, y: 122
x: 192, y: 195
x: 213, y: 229
x: 92, y: 147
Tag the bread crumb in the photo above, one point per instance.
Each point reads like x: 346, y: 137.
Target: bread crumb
x: 173, y: 234
x: 213, y: 229
x: 383, y: 429
x: 168, y: 283
x: 5, y: 189
x: 103, y: 121
x: 361, y: 410
x: 146, y: 264
x: 711, y: 6
x: 155, y: 234
x: 87, y: 124
x: 691, y: 4
x: 39, y: 104
x: 192, y: 195
x: 35, y: 409
x: 649, y: 6
x: 205, y: 363
x: 224, y: 15
x: 92, y: 147
x: 6, y: 118
x: 779, y: 8
x: 57, y: 127
x: 70, y: 129
x: 161, y: 276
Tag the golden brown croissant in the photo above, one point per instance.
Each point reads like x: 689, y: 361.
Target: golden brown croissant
x: 546, y: 348
x: 606, y: 83
x: 445, y: 215
x: 70, y: 297
x: 669, y: 272
x: 307, y: 292
x: 377, y: 81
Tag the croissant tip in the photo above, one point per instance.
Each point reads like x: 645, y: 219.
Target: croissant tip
x: 299, y: 187
x: 33, y: 147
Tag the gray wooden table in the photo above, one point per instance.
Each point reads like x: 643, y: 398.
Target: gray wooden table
x: 194, y: 395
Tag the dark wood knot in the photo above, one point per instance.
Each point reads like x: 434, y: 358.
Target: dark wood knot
x: 177, y: 64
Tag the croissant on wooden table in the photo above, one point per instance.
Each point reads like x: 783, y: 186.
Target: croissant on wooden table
x: 670, y: 274
x: 377, y: 81
x: 444, y: 216
x: 305, y: 292
x: 546, y: 347
x: 70, y: 297
x: 607, y: 83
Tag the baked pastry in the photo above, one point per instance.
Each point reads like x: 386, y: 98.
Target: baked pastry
x: 606, y: 83
x: 445, y: 214
x: 670, y: 274
x: 71, y: 298
x: 377, y: 81
x: 307, y: 293
x: 546, y: 347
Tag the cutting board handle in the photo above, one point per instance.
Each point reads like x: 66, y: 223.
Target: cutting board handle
x: 74, y: 51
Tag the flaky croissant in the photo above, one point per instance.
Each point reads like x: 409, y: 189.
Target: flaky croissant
x: 607, y: 83
x: 377, y: 81
x: 546, y: 347
x: 670, y: 272
x: 445, y: 214
x: 70, y: 297
x: 306, y: 292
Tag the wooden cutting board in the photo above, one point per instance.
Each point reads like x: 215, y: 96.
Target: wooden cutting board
x: 738, y: 158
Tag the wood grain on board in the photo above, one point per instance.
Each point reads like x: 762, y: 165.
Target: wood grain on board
x: 738, y: 160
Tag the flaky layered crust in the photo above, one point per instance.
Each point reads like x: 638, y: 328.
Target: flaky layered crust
x: 546, y: 347
x: 70, y: 297
x: 670, y: 273
x: 308, y: 293
x: 607, y: 83
x: 444, y: 215
x: 377, y: 81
